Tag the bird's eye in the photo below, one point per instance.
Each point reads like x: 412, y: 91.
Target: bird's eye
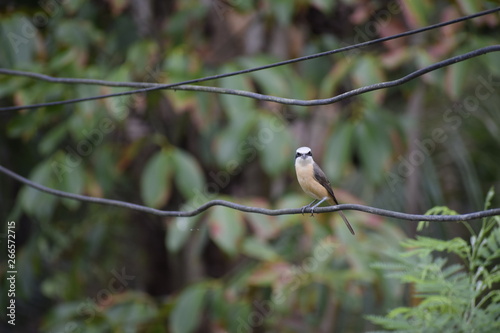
x: 309, y: 153
x: 297, y: 155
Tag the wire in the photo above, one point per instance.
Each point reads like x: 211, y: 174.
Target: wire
x: 281, y: 63
x: 248, y: 209
x: 184, y: 86
x: 262, y: 97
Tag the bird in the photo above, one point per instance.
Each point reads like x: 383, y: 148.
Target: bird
x: 313, y: 182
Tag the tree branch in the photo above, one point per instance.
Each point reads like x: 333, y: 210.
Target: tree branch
x: 256, y: 210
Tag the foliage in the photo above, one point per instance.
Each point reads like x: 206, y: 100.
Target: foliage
x: 288, y: 273
x: 178, y: 149
x: 453, y: 294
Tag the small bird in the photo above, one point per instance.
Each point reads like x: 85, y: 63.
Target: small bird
x: 314, y: 182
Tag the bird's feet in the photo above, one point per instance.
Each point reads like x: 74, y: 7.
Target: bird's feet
x: 304, y: 210
x: 312, y: 211
x: 307, y: 206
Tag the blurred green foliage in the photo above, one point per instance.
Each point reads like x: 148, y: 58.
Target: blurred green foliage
x: 89, y: 268
x: 450, y: 295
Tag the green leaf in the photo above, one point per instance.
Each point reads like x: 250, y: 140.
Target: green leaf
x: 274, y: 81
x: 53, y: 138
x: 188, y: 176
x: 229, y: 312
x: 254, y: 248
x: 19, y: 39
x: 423, y: 59
x: 338, y: 152
x: 238, y: 109
x: 9, y: 86
x: 456, y: 79
x: 138, y: 56
x: 88, y: 107
x: 297, y: 200
x: 373, y: 152
x: 275, y: 145
x: 437, y: 210
x: 156, y: 183
x: 179, y: 229
x: 132, y: 312
x: 235, y: 144
x: 489, y: 197
x: 368, y: 71
x: 426, y: 245
x: 263, y: 227
x: 180, y: 67
x: 226, y: 228
x: 78, y: 33
x: 35, y: 202
x: 398, y: 311
x: 187, y: 312
x: 283, y: 11
x: 337, y: 74
x: 24, y: 125
x: 73, y: 182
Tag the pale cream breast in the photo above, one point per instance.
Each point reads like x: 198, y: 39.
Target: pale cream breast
x: 305, y: 176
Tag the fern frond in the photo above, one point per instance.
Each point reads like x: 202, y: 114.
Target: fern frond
x: 454, y: 297
x: 424, y: 246
x: 489, y: 249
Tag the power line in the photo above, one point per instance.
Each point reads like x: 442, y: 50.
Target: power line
x: 248, y: 209
x: 262, y: 97
x: 219, y: 76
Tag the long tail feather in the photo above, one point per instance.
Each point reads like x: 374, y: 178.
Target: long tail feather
x: 341, y: 213
x: 347, y: 222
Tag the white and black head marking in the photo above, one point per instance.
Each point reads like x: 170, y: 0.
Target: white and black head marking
x: 303, y: 153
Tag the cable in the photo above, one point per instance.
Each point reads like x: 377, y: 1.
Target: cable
x: 281, y: 63
x: 288, y: 101
x: 248, y: 209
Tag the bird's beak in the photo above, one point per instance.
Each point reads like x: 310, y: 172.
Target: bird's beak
x: 303, y: 156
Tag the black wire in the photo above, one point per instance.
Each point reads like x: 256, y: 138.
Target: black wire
x: 262, y: 97
x: 281, y: 63
x: 288, y: 101
x: 256, y: 210
x: 367, y: 209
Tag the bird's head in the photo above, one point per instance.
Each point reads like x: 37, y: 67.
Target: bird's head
x: 303, y: 155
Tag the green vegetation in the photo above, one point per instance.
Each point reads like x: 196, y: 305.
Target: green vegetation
x: 432, y: 142
x: 454, y: 294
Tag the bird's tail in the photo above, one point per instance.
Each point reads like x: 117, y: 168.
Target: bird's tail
x: 347, y: 222
x: 333, y: 201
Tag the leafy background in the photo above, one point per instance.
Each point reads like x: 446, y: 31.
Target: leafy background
x: 225, y: 270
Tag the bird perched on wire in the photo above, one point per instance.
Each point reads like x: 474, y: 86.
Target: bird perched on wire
x: 314, y: 182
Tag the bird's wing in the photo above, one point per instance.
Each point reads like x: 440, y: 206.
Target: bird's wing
x: 321, y: 178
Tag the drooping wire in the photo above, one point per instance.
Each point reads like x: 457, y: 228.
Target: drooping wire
x: 249, y: 70
x: 248, y: 209
x: 262, y: 97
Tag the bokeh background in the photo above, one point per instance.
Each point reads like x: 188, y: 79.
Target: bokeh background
x: 93, y: 268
